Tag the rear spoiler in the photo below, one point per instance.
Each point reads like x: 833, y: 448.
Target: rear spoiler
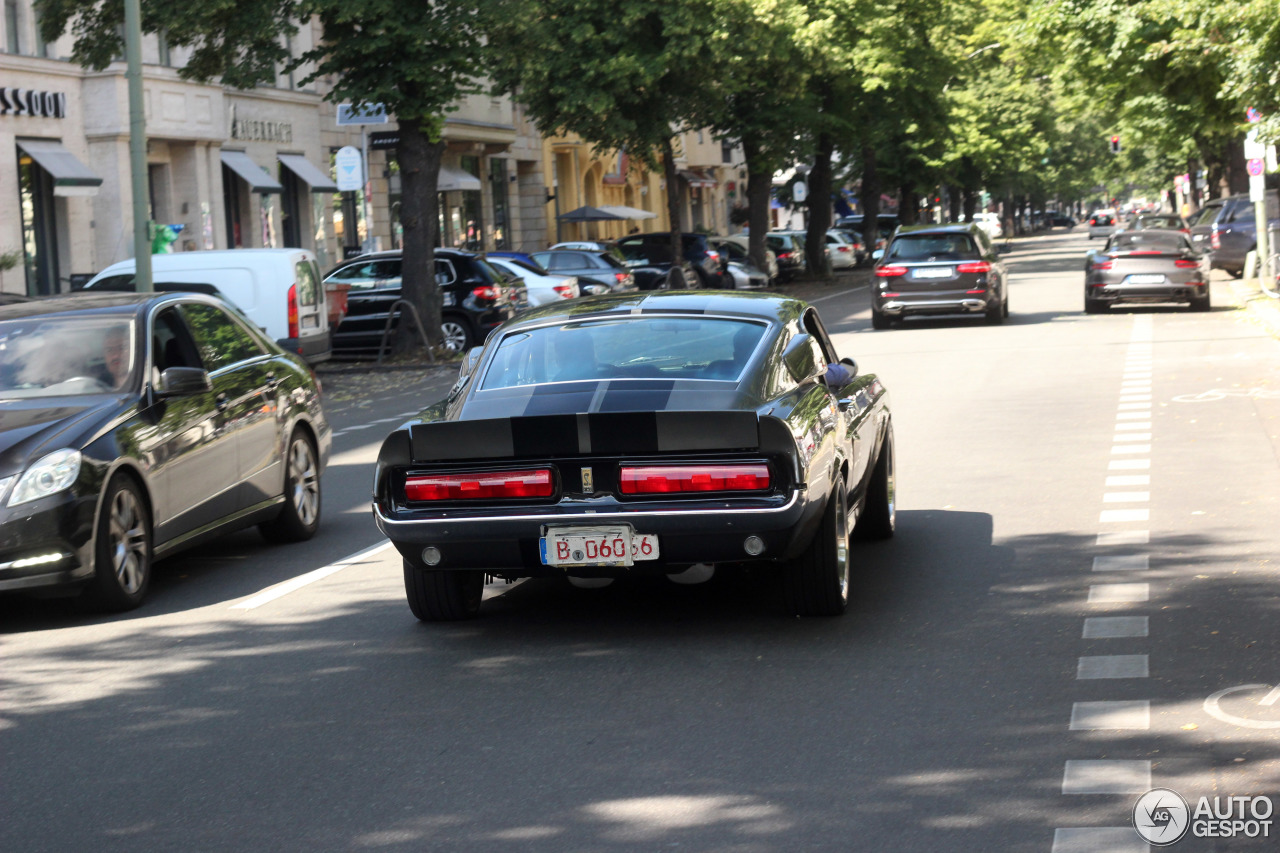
x: 601, y: 433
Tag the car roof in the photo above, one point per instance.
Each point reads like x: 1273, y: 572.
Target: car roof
x: 103, y: 302
x: 756, y: 306
x: 948, y: 228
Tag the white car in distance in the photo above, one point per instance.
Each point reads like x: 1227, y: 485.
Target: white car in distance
x: 541, y: 287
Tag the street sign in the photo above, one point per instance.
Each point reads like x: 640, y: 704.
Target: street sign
x: 349, y: 114
x: 799, y: 192
x: 350, y: 168
x: 1255, y: 167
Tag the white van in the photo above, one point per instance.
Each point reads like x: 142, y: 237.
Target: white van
x: 278, y: 289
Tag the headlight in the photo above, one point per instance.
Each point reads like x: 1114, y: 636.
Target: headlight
x: 50, y: 475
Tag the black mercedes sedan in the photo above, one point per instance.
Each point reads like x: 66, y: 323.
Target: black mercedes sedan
x: 135, y: 425
x: 664, y: 432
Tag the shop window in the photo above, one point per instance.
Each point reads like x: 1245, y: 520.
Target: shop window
x: 291, y: 208
x: 501, y: 209
x: 469, y: 218
x: 232, y: 199
x: 39, y: 227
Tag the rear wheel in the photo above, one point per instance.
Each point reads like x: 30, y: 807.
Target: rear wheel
x: 442, y: 596
x: 456, y: 334
x: 817, y: 583
x: 995, y: 313
x: 879, y: 516
x: 879, y: 320
x: 1202, y: 303
x: 1094, y: 306
x: 122, y: 548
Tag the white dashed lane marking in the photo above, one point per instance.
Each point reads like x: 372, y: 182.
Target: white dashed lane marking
x: 1098, y: 839
x: 1108, y: 716
x: 1115, y: 627
x: 1120, y: 516
x: 1112, y: 666
x: 1107, y: 777
x: 1119, y: 593
x: 1122, y: 563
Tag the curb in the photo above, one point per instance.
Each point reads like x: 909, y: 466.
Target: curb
x: 1264, y: 309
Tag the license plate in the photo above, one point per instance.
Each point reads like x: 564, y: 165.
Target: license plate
x: 933, y: 272
x: 1145, y: 279
x: 596, y: 546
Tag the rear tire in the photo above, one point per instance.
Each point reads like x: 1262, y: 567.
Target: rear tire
x: 879, y: 320
x: 443, y: 596
x: 817, y: 583
x: 995, y: 317
x: 1094, y: 306
x: 879, y: 515
x: 1202, y: 304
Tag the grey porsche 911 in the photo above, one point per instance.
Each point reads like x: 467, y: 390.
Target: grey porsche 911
x: 664, y: 432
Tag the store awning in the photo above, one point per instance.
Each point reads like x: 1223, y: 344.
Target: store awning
x: 70, y: 176
x: 308, y: 173
x: 453, y: 180
x: 628, y: 212
x: 697, y: 179
x: 250, y: 172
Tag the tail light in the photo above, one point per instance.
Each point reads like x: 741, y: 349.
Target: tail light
x: 1093, y: 222
x: 891, y: 271
x: 782, y: 256
x: 487, y: 292
x: 487, y: 485
x: 293, y: 310
x: 565, y: 290
x: 622, y: 277
x: 1215, y: 241
x: 1102, y: 265
x: 1146, y: 252
x: 666, y: 479
x: 713, y: 254
x: 1184, y: 264
x: 844, y: 249
x: 976, y: 267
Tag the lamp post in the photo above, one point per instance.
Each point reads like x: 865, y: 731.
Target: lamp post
x: 137, y: 144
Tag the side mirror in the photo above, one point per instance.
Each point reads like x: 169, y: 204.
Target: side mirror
x: 877, y: 254
x: 469, y: 362
x: 851, y: 364
x: 183, y: 382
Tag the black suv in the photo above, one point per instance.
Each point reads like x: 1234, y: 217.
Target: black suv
x: 477, y: 298
x: 697, y: 251
x: 939, y: 269
x: 1234, y: 233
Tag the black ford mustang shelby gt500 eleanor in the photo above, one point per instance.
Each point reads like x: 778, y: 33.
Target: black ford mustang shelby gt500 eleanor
x: 645, y: 432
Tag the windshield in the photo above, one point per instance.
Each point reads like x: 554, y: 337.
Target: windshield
x: 932, y: 247
x: 631, y: 348
x: 1160, y: 241
x: 58, y: 356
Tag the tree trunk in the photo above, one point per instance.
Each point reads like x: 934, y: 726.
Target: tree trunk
x: 419, y: 215
x: 970, y: 203
x: 759, y: 186
x: 1237, y: 168
x: 870, y: 198
x: 815, y: 242
x: 908, y: 208
x: 673, y: 207
x: 953, y: 203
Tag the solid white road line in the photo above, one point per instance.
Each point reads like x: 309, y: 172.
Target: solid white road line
x: 1105, y: 716
x: 841, y: 293
x: 279, y: 590
x: 1107, y: 777
x: 1119, y: 593
x: 1115, y: 627
x: 1112, y: 666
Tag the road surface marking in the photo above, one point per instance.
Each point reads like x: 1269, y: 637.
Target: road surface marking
x: 1111, y: 666
x: 1129, y: 464
x: 1213, y: 708
x: 1098, y: 839
x: 1126, y: 497
x: 1124, y: 537
x: 1122, y: 563
x: 1106, y: 777
x: 1124, y: 449
x: 1134, y: 416
x: 1116, y: 516
x: 1119, y: 593
x: 841, y: 293
x: 1135, y: 398
x: 282, y: 589
x: 1115, y: 627
x: 1105, y: 716
x: 1137, y: 436
x: 1126, y: 427
x: 1132, y: 406
x: 1270, y: 698
x: 1129, y: 480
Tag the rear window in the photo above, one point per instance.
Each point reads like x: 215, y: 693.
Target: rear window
x: 1130, y: 241
x: 625, y: 348
x: 932, y: 247
x: 308, y: 283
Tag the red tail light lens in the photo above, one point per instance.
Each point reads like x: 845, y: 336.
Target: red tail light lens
x: 565, y: 290
x: 487, y: 292
x: 782, y: 256
x: 1184, y: 264
x: 293, y: 311
x: 1093, y: 222
x: 1102, y: 265
x: 1146, y: 252
x: 976, y: 266
x: 666, y: 479
x: 891, y: 271
x: 842, y: 249
x: 622, y: 276
x: 1215, y: 241
x: 534, y: 483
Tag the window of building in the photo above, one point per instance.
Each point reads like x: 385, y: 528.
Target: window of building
x: 726, y: 151
x: 498, y: 180
x: 468, y: 220
x: 231, y: 201
x: 162, y: 48
x: 12, y: 27
x: 39, y: 227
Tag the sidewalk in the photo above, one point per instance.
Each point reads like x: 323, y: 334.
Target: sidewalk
x: 1262, y: 308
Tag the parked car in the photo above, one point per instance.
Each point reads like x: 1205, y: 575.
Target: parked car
x: 517, y: 256
x: 840, y: 251
x: 1060, y: 220
x: 743, y: 242
x: 1201, y: 224
x: 598, y: 271
x: 651, y: 265
x: 697, y: 251
x: 742, y: 274
x: 1234, y: 234
x: 592, y: 246
x: 279, y: 289
x: 476, y: 299
x: 1103, y: 223
x: 788, y: 248
x: 939, y: 269
x: 673, y: 432
x: 860, y: 253
x: 541, y: 287
x: 990, y: 222
x: 886, y: 224
x: 1166, y: 221
x: 1144, y: 267
x: 137, y: 425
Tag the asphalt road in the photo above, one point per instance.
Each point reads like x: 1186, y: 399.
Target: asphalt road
x: 1086, y: 516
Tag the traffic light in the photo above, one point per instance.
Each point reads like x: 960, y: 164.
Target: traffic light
x: 1115, y: 143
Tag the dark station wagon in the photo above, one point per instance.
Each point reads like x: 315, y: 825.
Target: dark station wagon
x: 939, y: 269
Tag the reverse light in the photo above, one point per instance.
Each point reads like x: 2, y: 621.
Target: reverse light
x: 530, y: 483
x: 48, y: 476
x: 293, y: 310
x: 891, y: 271
x: 974, y: 266
x: 666, y: 479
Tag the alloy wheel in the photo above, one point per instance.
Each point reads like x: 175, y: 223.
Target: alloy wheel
x: 127, y: 542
